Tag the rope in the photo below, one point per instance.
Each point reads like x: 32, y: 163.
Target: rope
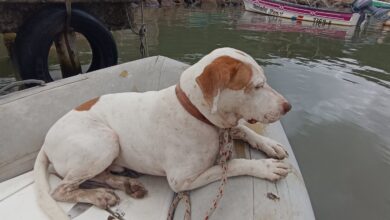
x: 68, y: 29
x: 68, y: 17
x: 225, y: 151
x: 20, y: 83
x: 176, y: 199
x: 143, y: 48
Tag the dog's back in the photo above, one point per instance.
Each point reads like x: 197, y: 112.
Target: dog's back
x: 144, y: 122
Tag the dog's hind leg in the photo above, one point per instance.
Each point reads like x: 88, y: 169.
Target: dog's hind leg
x: 132, y: 187
x: 123, y: 171
x: 80, y: 158
x: 100, y: 197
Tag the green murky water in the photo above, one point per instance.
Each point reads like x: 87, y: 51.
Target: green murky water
x: 337, y: 79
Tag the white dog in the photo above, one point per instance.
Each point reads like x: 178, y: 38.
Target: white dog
x: 172, y: 132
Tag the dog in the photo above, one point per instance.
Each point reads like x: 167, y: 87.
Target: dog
x: 172, y: 132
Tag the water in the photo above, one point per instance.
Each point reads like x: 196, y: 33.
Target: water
x: 337, y: 79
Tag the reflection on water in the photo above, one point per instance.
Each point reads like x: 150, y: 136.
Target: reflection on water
x: 337, y: 79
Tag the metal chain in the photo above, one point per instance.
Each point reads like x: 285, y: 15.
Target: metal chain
x: 225, y: 152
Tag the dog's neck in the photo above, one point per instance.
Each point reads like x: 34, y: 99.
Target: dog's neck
x: 189, y: 107
x: 193, y: 92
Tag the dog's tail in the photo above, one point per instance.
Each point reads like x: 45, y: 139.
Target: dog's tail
x: 45, y: 201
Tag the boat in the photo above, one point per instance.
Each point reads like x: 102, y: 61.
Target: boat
x: 381, y: 4
x: 302, y: 12
x: 262, y: 23
x: 26, y: 116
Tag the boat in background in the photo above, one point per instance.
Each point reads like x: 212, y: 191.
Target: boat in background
x: 381, y: 4
x: 302, y: 12
x: 258, y: 22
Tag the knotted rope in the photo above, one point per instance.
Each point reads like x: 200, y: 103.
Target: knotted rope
x: 225, y: 152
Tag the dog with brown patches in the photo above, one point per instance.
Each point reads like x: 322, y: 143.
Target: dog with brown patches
x: 172, y: 133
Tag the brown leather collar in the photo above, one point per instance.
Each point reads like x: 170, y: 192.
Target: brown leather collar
x: 189, y: 107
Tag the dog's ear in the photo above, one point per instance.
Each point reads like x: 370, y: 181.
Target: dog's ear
x: 223, y: 72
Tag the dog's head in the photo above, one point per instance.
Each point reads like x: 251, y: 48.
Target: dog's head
x: 234, y: 87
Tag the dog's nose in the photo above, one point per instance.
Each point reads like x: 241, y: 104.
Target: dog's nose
x: 286, y: 107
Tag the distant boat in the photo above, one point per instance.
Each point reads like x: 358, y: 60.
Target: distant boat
x: 381, y: 4
x: 302, y: 12
x: 262, y: 23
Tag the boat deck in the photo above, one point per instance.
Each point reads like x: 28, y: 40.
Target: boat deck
x: 245, y: 197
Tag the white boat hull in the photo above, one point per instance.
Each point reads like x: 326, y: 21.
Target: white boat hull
x: 289, y: 11
x: 27, y: 115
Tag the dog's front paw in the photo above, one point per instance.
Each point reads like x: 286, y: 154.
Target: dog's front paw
x: 275, y: 169
x: 270, y: 147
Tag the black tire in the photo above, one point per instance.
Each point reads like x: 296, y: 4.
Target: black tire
x: 36, y: 36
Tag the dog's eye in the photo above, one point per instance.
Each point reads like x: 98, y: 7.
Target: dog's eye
x: 259, y: 86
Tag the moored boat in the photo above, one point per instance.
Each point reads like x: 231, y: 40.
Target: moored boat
x: 381, y: 4
x: 263, y: 23
x: 302, y: 12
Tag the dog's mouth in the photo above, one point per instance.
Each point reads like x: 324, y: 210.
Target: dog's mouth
x: 268, y: 118
x: 252, y: 121
x: 272, y: 117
